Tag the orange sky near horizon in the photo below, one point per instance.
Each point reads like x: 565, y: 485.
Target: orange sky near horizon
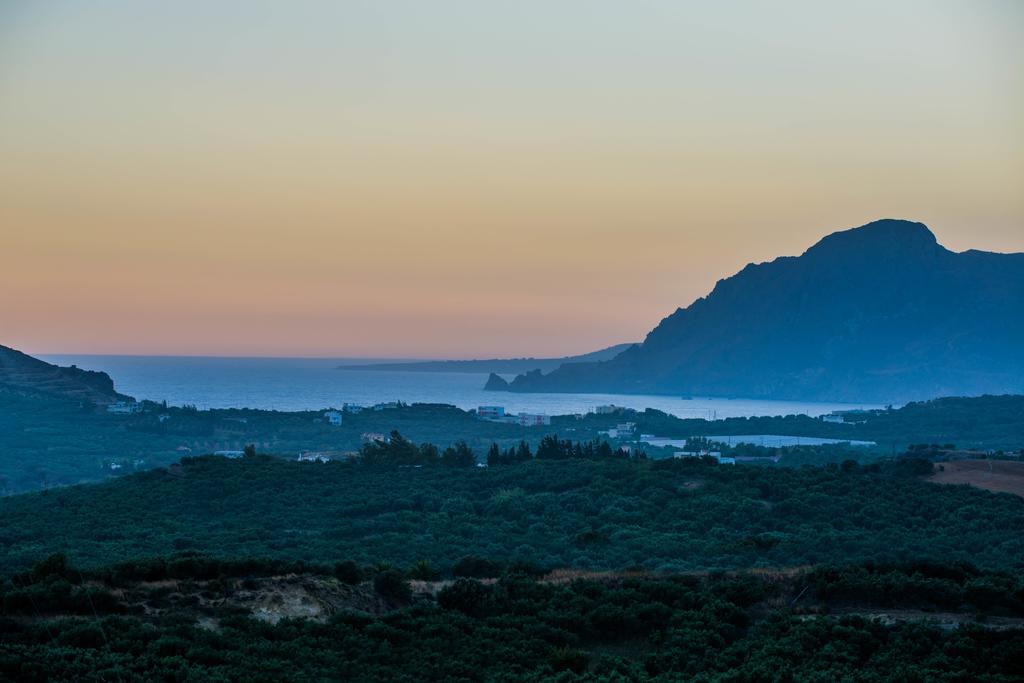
x: 387, y: 179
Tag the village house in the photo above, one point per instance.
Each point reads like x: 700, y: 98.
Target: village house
x: 314, y: 457
x: 490, y: 412
x: 624, y: 430
x: 124, y: 407
x: 534, y: 420
x: 334, y: 417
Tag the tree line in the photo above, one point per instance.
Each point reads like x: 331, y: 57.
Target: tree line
x: 398, y: 450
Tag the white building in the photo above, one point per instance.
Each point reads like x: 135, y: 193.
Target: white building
x: 124, y: 407
x: 334, y: 417
x: 230, y: 454
x: 314, y: 457
x: 390, y: 405
x: 625, y: 430
x: 835, y: 418
x: 491, y: 412
x: 534, y: 420
x: 352, y: 408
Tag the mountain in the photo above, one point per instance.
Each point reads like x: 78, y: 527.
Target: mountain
x: 23, y: 374
x: 494, y: 365
x: 879, y: 313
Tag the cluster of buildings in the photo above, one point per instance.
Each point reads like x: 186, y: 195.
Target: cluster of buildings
x: 497, y: 414
x: 314, y: 457
x: 125, y: 407
x: 326, y: 456
x: 716, y: 455
x: 337, y: 417
x: 373, y: 437
x: 355, y: 408
x: 623, y: 430
x: 856, y: 416
x: 610, y: 409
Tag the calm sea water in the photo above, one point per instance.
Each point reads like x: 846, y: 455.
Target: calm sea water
x: 314, y: 383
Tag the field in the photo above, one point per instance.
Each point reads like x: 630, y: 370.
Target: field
x: 999, y: 476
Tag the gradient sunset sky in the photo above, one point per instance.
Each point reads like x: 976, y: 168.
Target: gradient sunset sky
x: 471, y: 179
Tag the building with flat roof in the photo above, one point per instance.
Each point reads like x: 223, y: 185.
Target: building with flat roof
x: 534, y: 419
x: 490, y: 412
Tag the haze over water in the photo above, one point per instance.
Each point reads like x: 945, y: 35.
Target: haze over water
x: 314, y: 383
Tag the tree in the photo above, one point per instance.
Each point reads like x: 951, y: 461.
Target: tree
x: 391, y: 585
x: 523, y: 453
x: 424, y: 571
x: 476, y: 568
x: 461, y: 455
x: 494, y: 456
x: 466, y: 596
x: 348, y: 572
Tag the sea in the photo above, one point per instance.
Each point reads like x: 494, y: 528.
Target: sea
x: 294, y: 384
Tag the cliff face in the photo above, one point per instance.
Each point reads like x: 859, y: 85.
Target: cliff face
x: 22, y: 373
x: 496, y: 383
x: 878, y: 313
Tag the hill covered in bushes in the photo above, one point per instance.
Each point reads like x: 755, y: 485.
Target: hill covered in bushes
x: 586, y: 513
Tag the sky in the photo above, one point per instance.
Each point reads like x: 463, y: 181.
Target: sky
x: 471, y: 179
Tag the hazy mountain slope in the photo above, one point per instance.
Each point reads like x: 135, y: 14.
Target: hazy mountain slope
x: 496, y: 365
x: 877, y: 313
x: 22, y: 373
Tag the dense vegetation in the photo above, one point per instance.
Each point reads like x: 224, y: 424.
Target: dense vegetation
x: 175, y: 620
x: 47, y: 441
x: 170, y: 571
x: 983, y: 422
x: 604, y: 513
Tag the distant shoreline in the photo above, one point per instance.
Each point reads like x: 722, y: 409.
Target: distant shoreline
x: 501, y: 366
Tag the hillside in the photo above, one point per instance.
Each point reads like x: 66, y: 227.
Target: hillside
x: 22, y: 374
x: 880, y: 313
x: 51, y: 440
x: 976, y: 423
x: 495, y: 365
x: 190, y: 617
x: 586, y: 513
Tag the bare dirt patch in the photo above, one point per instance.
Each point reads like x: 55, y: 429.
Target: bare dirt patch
x: 944, y: 620
x: 1000, y: 476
